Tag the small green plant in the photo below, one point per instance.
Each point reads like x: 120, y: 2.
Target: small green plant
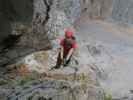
x: 107, y: 96
x: 28, y: 78
x: 3, y: 82
x: 83, y: 80
x: 25, y: 80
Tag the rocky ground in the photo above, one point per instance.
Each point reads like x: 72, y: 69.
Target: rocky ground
x: 32, y: 79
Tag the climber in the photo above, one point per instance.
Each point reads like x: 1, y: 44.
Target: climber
x: 67, y: 47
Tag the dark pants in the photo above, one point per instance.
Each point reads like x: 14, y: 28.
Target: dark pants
x: 62, y: 61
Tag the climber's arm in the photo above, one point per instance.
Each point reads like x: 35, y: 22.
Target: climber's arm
x: 70, y: 54
x: 62, y: 50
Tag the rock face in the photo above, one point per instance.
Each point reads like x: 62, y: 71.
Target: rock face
x: 27, y: 26
x: 119, y: 10
x: 123, y: 10
x: 53, y: 16
x: 96, y: 8
x: 13, y: 10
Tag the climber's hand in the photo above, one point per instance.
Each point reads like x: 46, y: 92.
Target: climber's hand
x: 66, y: 63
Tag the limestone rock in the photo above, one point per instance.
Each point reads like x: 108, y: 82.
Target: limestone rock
x: 118, y: 10
x: 98, y: 9
x: 32, y: 24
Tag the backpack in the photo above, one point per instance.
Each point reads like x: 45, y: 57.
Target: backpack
x: 69, y: 42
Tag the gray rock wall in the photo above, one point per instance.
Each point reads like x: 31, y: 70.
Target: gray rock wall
x: 96, y: 8
x: 119, y: 10
x: 123, y: 10
x: 59, y: 15
x: 13, y: 10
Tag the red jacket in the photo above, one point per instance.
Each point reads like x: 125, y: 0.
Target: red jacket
x: 66, y: 47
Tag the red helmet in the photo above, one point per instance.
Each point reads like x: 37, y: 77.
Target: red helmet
x: 68, y: 33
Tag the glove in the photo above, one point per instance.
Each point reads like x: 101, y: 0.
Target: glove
x: 66, y: 62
